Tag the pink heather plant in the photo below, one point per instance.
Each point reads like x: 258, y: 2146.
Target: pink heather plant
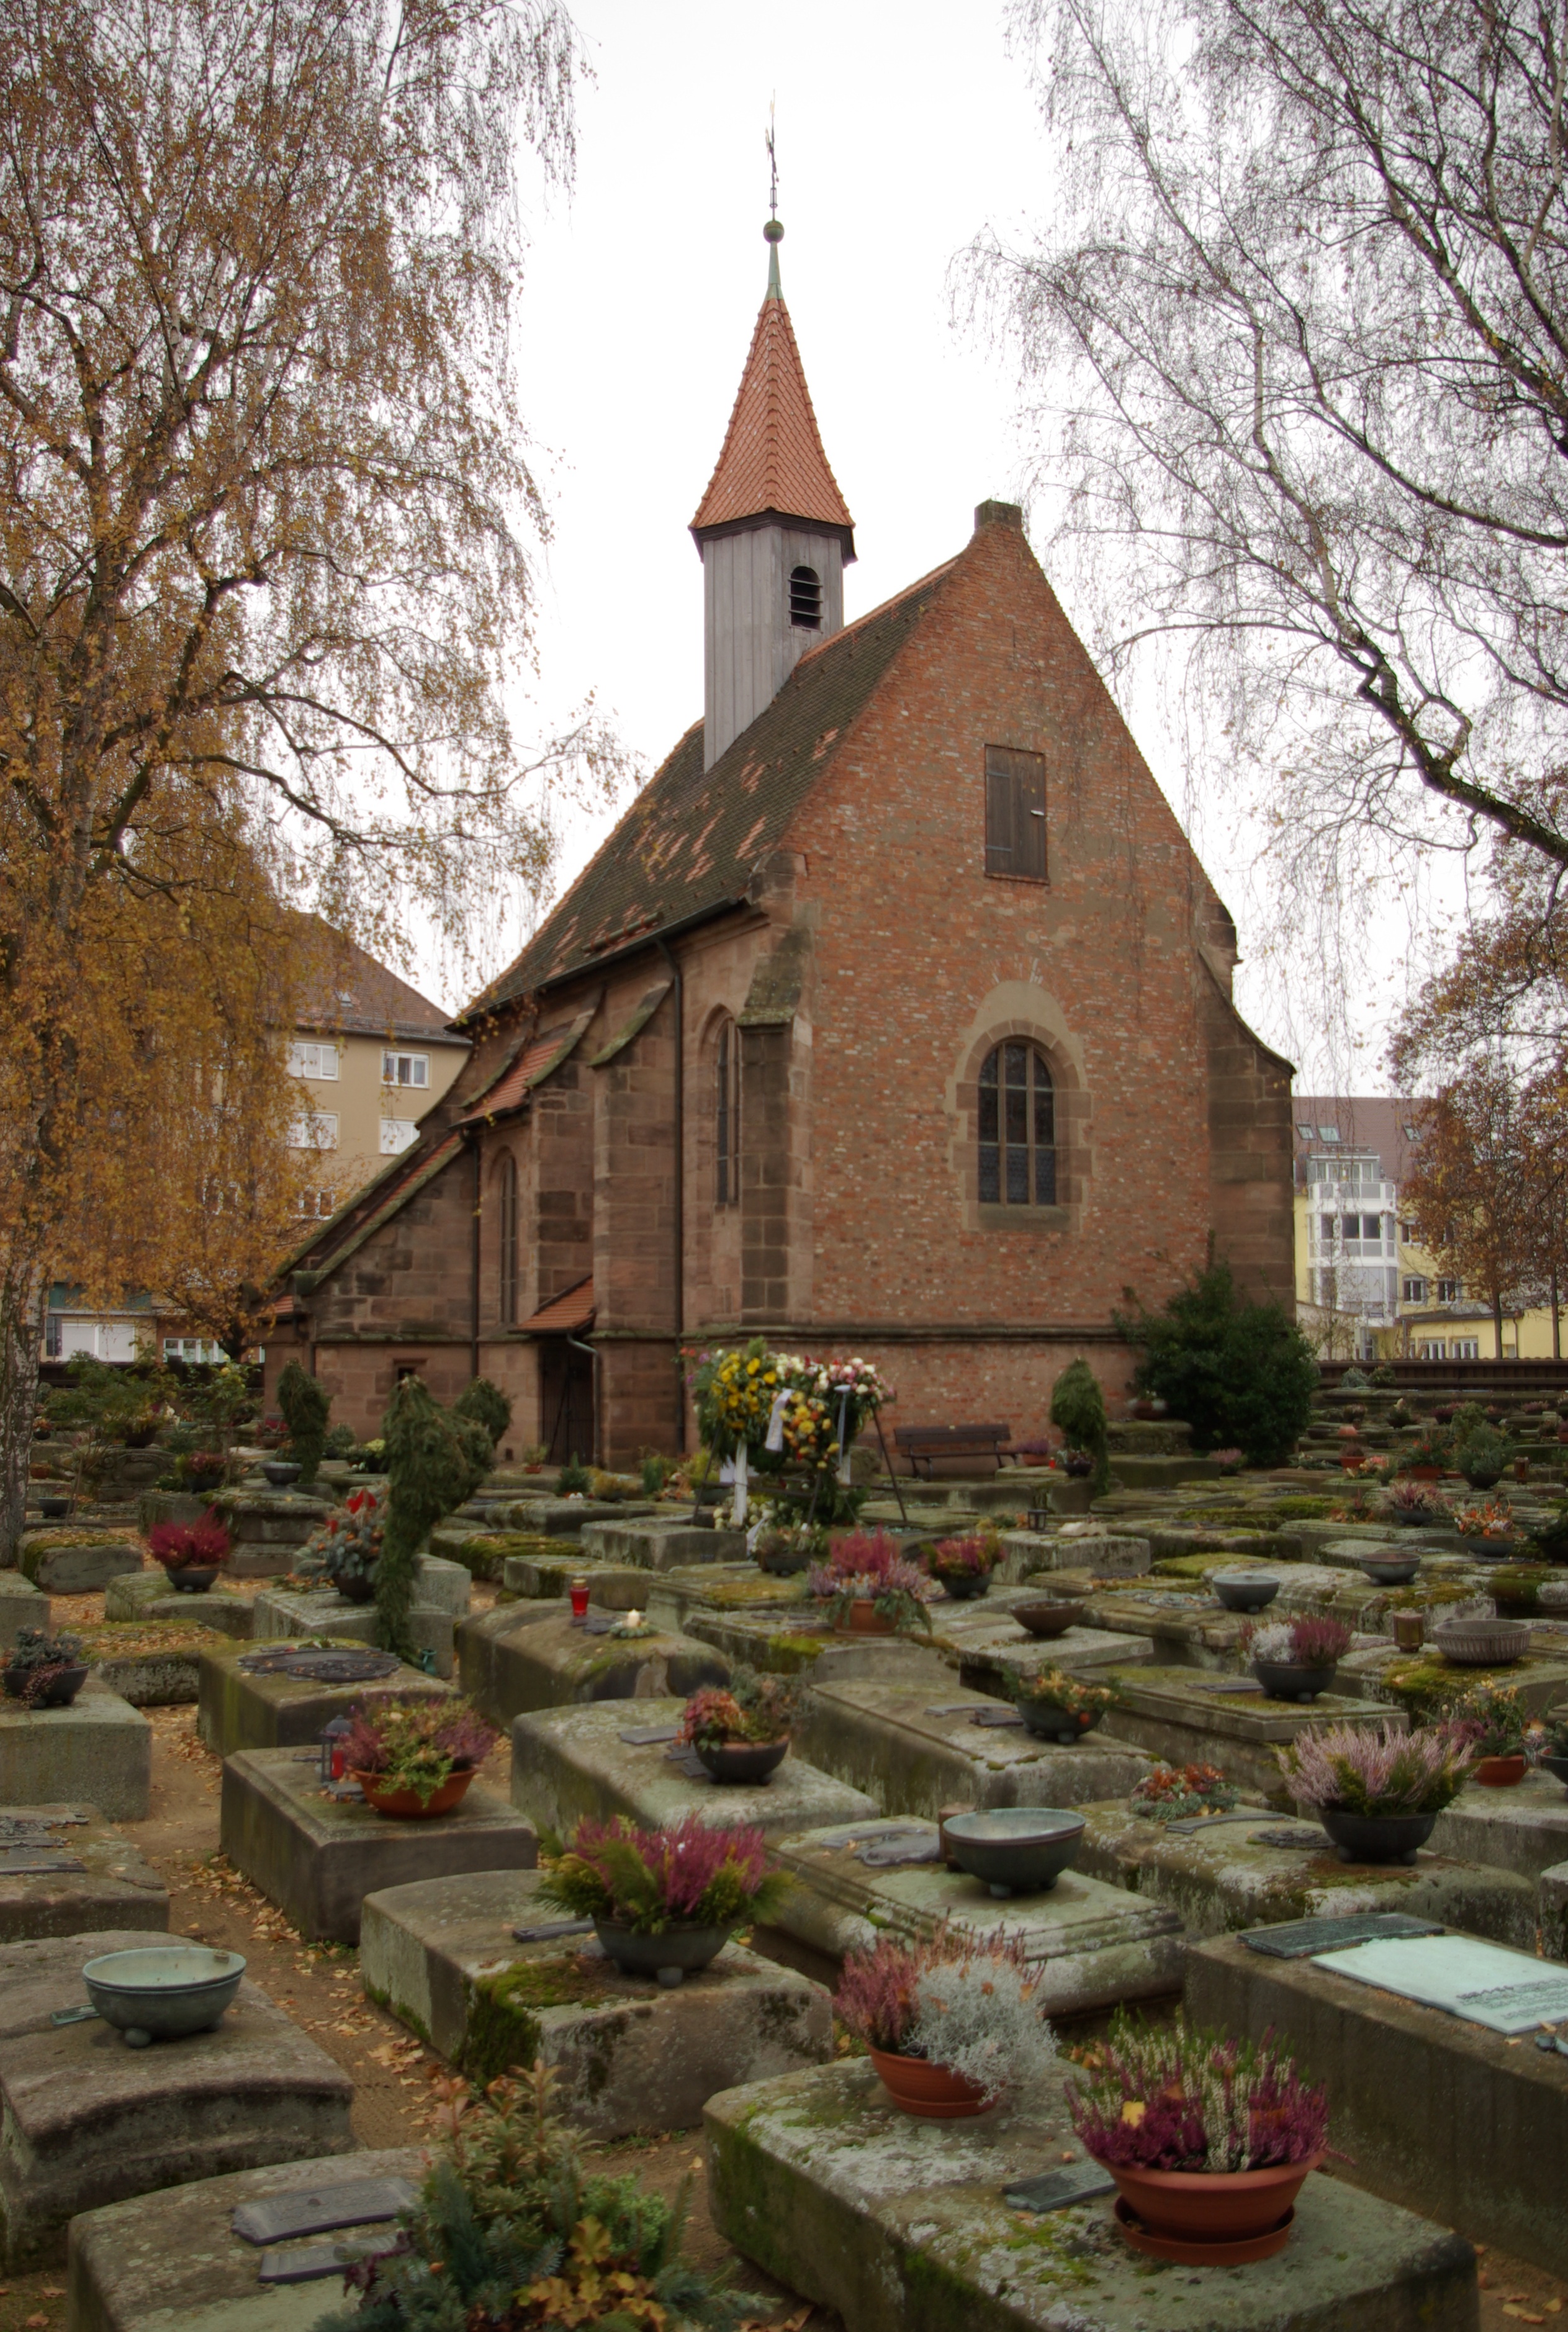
x: 1161, y: 2098
x: 1352, y: 1769
x: 684, y: 1875
x: 868, y: 1567
x: 1306, y: 1643
x: 416, y: 1743
x: 964, y: 2002
x: 973, y: 1556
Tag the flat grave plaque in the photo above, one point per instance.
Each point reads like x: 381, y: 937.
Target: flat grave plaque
x: 352, y: 2203
x: 312, y: 2262
x: 1485, y: 1984
x: 32, y: 1861
x: 546, y: 1931
x: 643, y: 1737
x: 994, y: 1717
x: 1056, y: 2190
x: 1303, y: 1939
x: 320, y: 1667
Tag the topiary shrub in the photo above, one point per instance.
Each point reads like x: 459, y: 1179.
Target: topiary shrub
x: 1482, y: 1457
x: 435, y: 1459
x: 1240, y: 1374
x: 574, y: 1480
x: 306, y: 1405
x: 485, y: 1404
x: 1078, y: 1411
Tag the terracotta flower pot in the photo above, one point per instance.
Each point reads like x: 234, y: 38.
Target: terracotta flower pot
x: 1186, y: 2209
x: 407, y: 1805
x: 1499, y: 1772
x: 1424, y: 1473
x: 865, y: 1620
x: 931, y: 2091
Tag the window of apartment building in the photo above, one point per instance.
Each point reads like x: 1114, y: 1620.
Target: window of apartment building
x: 727, y: 1115
x: 1018, y: 1155
x: 315, y: 1206
x: 1434, y: 1349
x: 1449, y: 1293
x: 192, y: 1348
x: 1415, y: 1292
x: 313, y: 1061
x: 1408, y: 1233
x: 1464, y: 1348
x: 317, y: 1131
x: 1015, y: 813
x: 397, y: 1134
x: 1326, y: 1224
x: 1328, y: 1134
x: 406, y: 1070
x: 53, y: 1336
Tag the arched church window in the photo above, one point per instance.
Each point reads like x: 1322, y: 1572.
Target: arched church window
x: 727, y: 1115
x: 1018, y: 1129
x: 506, y: 1210
x: 806, y: 599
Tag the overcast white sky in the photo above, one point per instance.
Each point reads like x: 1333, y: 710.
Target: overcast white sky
x: 902, y: 132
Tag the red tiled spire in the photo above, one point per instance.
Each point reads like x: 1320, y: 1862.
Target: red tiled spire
x: 773, y: 460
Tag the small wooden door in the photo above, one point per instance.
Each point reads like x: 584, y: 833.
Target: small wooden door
x: 566, y: 1388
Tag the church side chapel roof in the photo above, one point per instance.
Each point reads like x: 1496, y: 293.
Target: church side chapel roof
x: 692, y: 841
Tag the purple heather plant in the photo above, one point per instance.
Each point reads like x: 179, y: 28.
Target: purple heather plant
x: 416, y: 1743
x: 1161, y: 2098
x: 958, y: 2001
x: 868, y: 1567
x: 973, y: 1556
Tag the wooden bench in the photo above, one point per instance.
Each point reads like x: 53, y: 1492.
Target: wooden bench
x: 922, y: 1443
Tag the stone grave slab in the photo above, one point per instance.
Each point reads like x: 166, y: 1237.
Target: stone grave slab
x: 143, y: 1597
x: 66, y: 1871
x: 173, y: 2262
x: 1184, y: 1629
x: 1185, y: 1717
x: 87, y: 2121
x: 1436, y: 2112
x: 97, y: 1752
x: 478, y: 1647
x: 22, y: 1605
x: 1523, y: 1830
x: 537, y: 1576
x: 554, y: 1517
x: 316, y: 1856
x: 786, y: 1642
x: 267, y: 1528
x: 1256, y: 1866
x: 57, y: 1563
x: 285, y: 1615
x: 558, y: 1662
x: 1107, y: 1556
x: 570, y: 1762
x: 902, y: 2226
x: 687, y: 1590
x: 654, y: 1542
x: 1099, y: 1942
x: 158, y: 1664
x: 627, y: 2055
x: 987, y: 1655
x: 242, y: 1708
x: 915, y: 1748
x: 1540, y: 1679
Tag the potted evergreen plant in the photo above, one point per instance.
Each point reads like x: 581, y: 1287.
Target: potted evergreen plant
x: 1060, y: 1706
x: 44, y: 1671
x: 964, y: 1567
x: 951, y: 2023
x: 414, y: 1757
x: 345, y: 1552
x: 1208, y: 2138
x: 193, y: 1553
x: 663, y: 1902
x: 1294, y: 1660
x: 742, y: 1734
x: 1377, y: 1794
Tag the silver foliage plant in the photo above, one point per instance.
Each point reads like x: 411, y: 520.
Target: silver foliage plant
x: 979, y: 2016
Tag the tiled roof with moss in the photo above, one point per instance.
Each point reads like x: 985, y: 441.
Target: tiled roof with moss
x: 693, y: 839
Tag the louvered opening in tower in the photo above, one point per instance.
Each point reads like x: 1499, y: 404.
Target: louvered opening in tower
x: 806, y: 599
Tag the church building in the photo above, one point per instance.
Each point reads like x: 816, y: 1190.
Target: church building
x: 895, y: 1017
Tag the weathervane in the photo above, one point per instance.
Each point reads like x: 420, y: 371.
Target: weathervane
x: 772, y: 162
x: 772, y: 234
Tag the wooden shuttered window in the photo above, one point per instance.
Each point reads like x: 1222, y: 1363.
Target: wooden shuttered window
x: 1015, y: 813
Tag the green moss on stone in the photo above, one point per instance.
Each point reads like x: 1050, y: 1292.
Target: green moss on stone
x: 503, y: 2027
x: 786, y: 1654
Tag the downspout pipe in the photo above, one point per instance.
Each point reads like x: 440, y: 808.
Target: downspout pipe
x: 680, y: 1180
x: 473, y: 1263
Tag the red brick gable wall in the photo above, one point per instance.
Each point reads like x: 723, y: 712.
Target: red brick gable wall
x: 922, y: 963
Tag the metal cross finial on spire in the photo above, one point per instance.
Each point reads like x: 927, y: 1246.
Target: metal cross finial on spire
x: 773, y: 234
